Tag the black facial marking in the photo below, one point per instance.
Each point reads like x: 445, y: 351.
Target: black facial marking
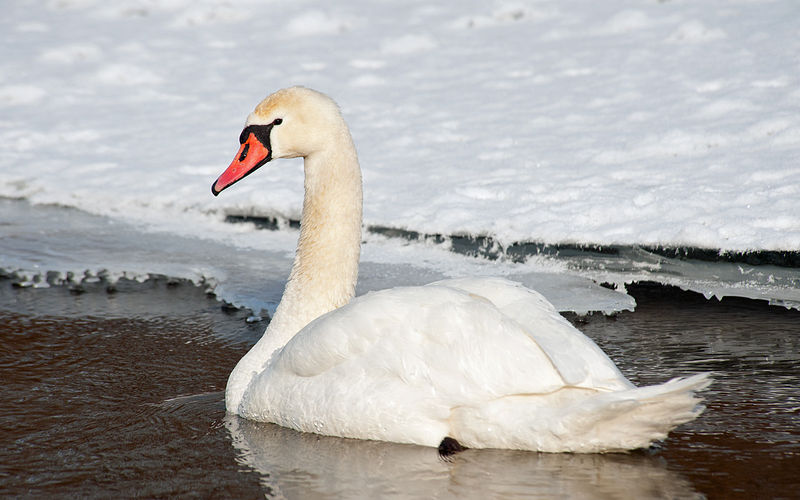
x: 260, y: 131
x: 244, y: 152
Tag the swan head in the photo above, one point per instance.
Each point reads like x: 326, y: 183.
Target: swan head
x: 292, y: 122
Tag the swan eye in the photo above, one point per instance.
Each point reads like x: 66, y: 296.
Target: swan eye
x: 245, y: 150
x: 277, y: 121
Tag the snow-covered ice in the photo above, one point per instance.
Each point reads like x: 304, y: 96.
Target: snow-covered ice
x: 658, y: 123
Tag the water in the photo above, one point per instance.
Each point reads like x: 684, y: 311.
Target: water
x: 121, y: 394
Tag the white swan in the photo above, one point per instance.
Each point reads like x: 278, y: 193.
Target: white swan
x: 482, y: 363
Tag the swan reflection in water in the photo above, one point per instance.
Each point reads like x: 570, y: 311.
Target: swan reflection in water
x: 304, y: 465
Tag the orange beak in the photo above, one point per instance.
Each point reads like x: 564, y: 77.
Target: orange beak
x: 252, y: 154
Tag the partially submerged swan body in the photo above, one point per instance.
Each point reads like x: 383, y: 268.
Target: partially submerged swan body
x: 485, y: 362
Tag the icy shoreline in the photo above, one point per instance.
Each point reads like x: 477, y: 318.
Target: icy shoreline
x: 487, y: 247
x: 768, y: 275
x: 43, y: 245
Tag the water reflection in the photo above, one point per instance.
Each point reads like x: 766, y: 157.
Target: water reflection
x: 300, y: 465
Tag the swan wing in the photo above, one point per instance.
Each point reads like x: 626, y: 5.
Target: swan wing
x: 578, y: 359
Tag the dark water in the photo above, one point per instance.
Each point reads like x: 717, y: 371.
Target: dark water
x: 121, y: 394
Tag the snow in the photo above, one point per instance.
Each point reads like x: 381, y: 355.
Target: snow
x: 670, y: 123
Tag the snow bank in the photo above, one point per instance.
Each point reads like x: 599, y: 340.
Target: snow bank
x: 670, y: 124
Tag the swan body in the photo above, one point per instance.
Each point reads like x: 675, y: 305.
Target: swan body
x: 483, y: 361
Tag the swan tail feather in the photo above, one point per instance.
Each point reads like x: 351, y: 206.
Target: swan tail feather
x: 581, y: 420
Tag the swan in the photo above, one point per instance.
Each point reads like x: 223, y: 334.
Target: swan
x: 459, y: 363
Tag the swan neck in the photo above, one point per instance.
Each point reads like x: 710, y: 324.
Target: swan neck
x: 325, y: 268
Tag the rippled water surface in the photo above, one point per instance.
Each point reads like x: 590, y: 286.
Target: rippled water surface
x: 109, y: 394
